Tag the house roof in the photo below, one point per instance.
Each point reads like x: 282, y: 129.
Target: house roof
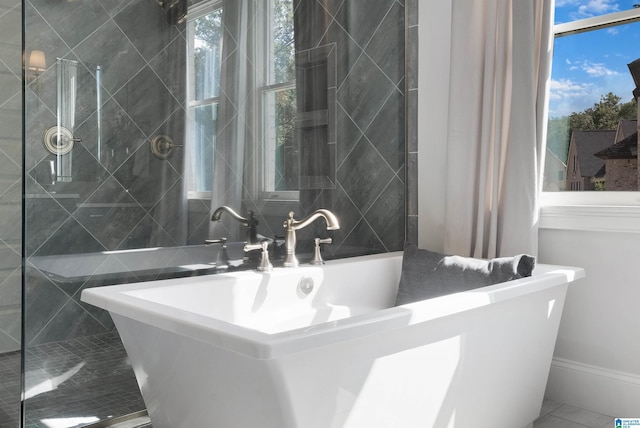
x: 625, y: 149
x: 626, y: 127
x: 587, y: 144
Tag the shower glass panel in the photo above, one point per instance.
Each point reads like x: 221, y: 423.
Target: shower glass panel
x: 139, y: 122
x: 11, y: 207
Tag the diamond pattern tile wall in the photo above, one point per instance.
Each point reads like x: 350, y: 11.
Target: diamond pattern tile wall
x: 127, y: 198
x: 130, y: 87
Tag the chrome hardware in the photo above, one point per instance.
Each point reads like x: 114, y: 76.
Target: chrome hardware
x: 162, y: 146
x: 317, y: 257
x: 305, y: 286
x: 59, y: 140
x: 292, y: 225
x: 265, y: 265
x: 250, y: 223
x: 222, y: 260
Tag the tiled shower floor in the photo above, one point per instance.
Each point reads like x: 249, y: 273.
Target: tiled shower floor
x: 88, y: 378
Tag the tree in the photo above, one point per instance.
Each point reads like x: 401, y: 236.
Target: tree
x: 604, y: 115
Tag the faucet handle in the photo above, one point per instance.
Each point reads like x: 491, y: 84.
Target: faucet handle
x: 265, y: 265
x: 317, y: 257
x: 222, y: 260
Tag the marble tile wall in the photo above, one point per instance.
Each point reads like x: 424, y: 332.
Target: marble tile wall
x: 129, y: 87
x: 121, y: 197
x: 369, y: 193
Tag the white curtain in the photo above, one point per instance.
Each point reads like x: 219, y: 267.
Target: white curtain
x: 500, y: 72
x: 236, y: 112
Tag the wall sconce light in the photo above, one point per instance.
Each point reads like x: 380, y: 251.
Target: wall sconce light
x: 37, y: 64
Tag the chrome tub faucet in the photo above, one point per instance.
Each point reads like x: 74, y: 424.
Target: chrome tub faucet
x: 292, y: 225
x: 250, y: 223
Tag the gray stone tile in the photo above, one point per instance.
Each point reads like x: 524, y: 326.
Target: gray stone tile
x: 386, y: 47
x: 149, y: 35
x: 109, y: 49
x: 73, y: 21
x: 147, y: 101
x: 386, y: 131
x: 355, y: 94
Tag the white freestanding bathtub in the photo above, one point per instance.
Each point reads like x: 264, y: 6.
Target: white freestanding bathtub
x: 271, y: 350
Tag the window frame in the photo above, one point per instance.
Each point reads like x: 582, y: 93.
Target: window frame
x: 264, y: 143
x: 191, y: 102
x: 616, y: 211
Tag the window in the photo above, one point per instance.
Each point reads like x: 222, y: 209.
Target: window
x: 276, y: 97
x: 279, y: 161
x: 595, y: 73
x: 204, y: 51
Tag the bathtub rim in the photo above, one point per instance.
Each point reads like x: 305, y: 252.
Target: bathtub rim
x: 264, y: 346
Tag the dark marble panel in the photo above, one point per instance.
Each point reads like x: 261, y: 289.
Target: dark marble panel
x: 412, y: 12
x: 146, y: 100
x: 357, y: 18
x: 332, y: 6
x: 412, y: 58
x: 11, y: 33
x: 174, y: 127
x: 355, y: 175
x: 10, y: 83
x: 73, y: 21
x: 119, y: 136
x: 109, y: 214
x: 45, y: 39
x: 109, y: 49
x: 387, y: 44
x: 311, y: 21
x: 386, y: 131
x: 347, y: 50
x: 148, y: 233
x: 145, y: 177
x: 170, y: 65
x: 43, y: 216
x: 168, y: 212
x: 69, y: 238
x: 412, y: 184
x: 70, y: 322
x: 356, y: 96
x: 348, y: 133
x: 42, y: 301
x: 39, y: 118
x: 113, y: 7
x: 387, y: 215
x: 144, y: 23
x: 362, y: 240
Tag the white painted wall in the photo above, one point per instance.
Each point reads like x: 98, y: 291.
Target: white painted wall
x: 597, y: 357
x: 433, y: 109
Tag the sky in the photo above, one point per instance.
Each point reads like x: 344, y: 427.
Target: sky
x: 588, y: 65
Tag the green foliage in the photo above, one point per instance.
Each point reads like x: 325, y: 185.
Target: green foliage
x: 283, y: 40
x: 604, y: 115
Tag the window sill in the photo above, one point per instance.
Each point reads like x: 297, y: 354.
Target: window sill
x: 591, y: 211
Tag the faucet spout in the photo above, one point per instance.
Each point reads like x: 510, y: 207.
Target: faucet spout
x: 292, y: 225
x: 251, y: 223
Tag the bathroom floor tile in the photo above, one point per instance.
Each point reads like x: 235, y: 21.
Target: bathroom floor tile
x: 549, y: 406
x: 582, y: 416
x: 551, y: 421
